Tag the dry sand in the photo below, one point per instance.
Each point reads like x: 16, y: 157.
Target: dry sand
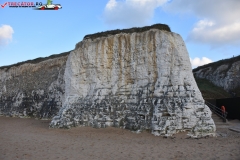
x: 31, y: 139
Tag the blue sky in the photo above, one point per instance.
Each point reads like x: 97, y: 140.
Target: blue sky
x: 211, y: 29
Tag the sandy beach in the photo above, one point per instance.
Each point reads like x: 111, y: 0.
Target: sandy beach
x: 31, y: 139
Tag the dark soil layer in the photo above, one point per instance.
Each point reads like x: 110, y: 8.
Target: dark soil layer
x: 130, y: 30
x: 37, y: 60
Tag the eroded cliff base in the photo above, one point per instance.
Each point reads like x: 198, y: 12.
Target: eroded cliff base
x: 147, y: 114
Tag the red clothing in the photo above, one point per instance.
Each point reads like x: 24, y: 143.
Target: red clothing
x: 223, y: 109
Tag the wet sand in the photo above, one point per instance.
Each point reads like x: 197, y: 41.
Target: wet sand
x: 30, y: 139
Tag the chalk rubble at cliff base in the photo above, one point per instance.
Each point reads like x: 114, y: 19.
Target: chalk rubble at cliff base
x: 137, y: 81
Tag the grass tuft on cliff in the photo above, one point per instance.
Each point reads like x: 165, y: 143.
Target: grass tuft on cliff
x: 211, y: 91
x: 130, y: 30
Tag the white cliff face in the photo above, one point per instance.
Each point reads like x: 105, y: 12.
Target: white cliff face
x: 225, y: 75
x: 33, y: 89
x: 136, y: 81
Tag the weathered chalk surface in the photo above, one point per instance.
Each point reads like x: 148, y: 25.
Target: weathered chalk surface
x: 138, y: 81
x: 33, y: 88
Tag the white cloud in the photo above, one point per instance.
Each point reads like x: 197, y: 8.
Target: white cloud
x: 199, y: 62
x: 216, y: 35
x: 219, y: 22
x: 203, y: 24
x: 111, y: 4
x: 130, y: 13
x: 6, y: 32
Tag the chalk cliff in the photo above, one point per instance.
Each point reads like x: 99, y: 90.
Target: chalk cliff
x: 138, y: 81
x: 34, y: 88
x: 224, y: 73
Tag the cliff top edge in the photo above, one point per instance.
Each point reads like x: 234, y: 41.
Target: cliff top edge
x: 93, y: 36
x: 216, y: 64
x: 130, y: 30
x: 36, y: 60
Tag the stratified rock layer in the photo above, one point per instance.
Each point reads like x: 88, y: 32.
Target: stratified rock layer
x: 34, y: 88
x: 136, y: 81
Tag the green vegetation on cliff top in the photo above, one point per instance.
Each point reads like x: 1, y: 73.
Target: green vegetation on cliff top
x: 211, y: 91
x: 130, y: 30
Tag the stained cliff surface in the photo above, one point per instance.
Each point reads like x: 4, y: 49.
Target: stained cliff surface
x: 223, y: 73
x: 136, y: 81
x: 34, y: 88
